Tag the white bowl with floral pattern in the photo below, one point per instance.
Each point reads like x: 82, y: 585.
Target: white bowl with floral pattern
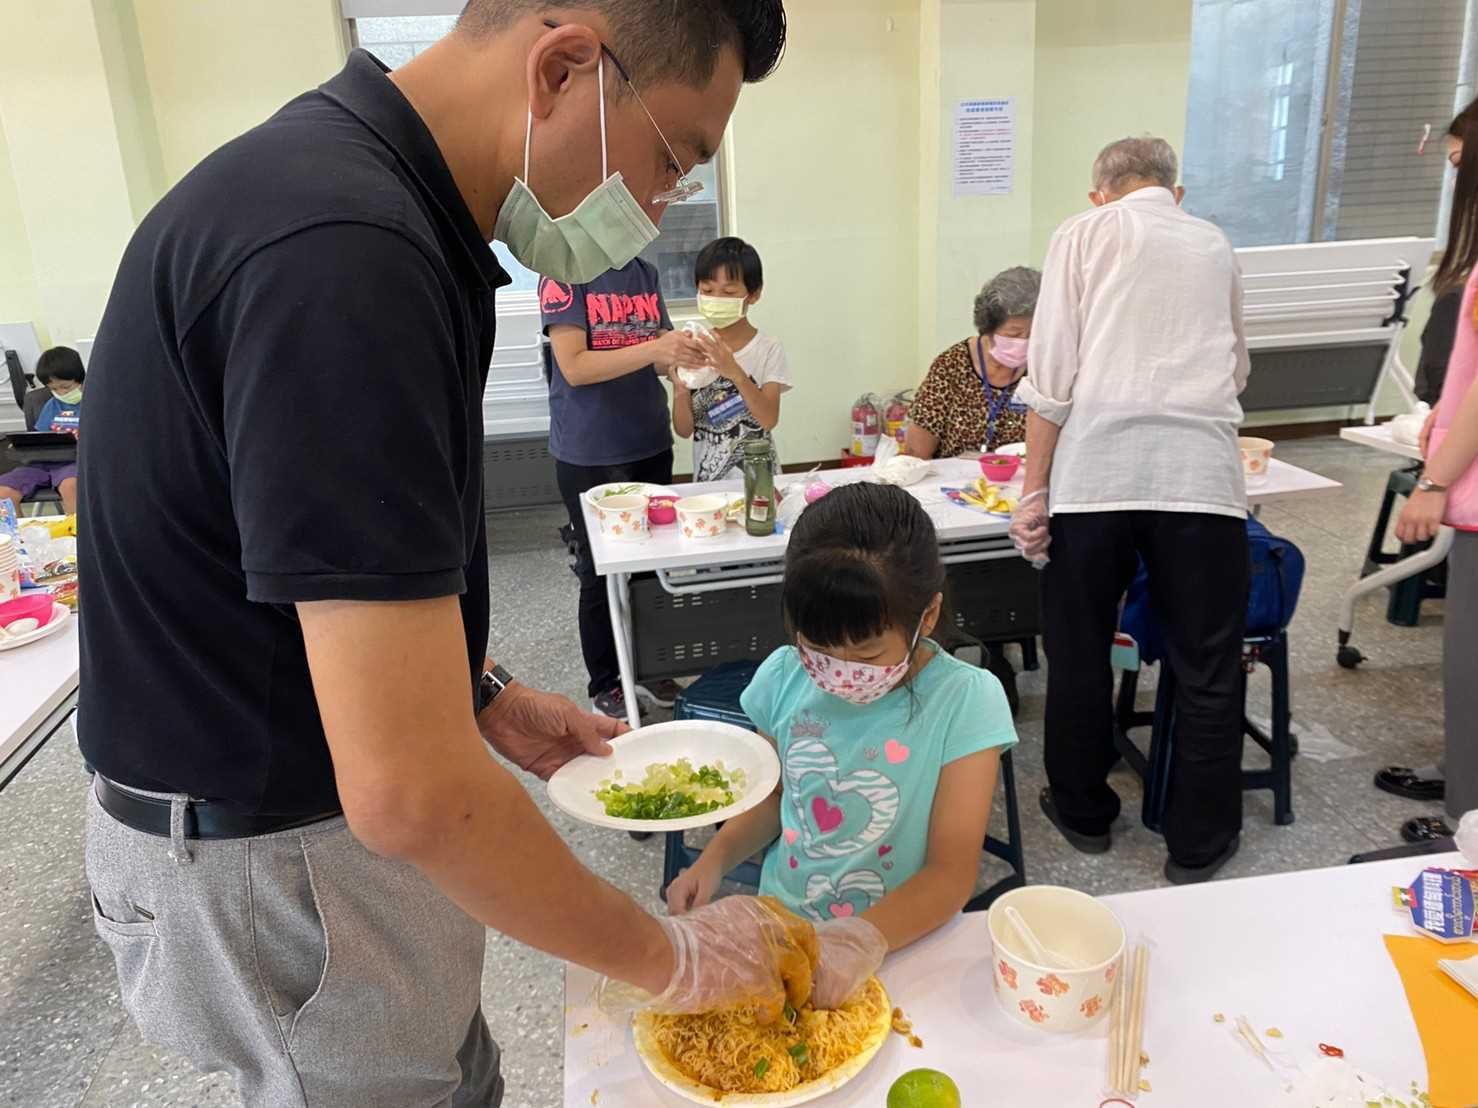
x: 703, y: 517
x: 1257, y: 456
x: 623, y: 518
x: 1066, y: 922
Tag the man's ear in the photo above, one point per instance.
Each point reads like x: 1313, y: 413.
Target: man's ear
x: 1096, y: 198
x: 556, y: 56
x: 1179, y: 193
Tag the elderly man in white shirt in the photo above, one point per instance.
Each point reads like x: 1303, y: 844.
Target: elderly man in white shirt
x: 1137, y: 359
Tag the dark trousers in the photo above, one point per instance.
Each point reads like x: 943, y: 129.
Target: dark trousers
x: 597, y: 640
x: 1198, y: 571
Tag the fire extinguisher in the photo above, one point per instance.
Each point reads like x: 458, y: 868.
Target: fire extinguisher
x: 895, y: 418
x: 867, y: 426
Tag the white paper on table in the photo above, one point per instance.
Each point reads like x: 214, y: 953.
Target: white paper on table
x: 985, y: 147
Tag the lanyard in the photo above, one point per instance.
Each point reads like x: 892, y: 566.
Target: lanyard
x: 995, y: 399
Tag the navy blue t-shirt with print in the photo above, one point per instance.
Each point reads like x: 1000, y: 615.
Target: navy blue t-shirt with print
x: 618, y: 421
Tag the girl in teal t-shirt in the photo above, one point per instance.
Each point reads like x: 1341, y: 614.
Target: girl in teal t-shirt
x: 888, y: 746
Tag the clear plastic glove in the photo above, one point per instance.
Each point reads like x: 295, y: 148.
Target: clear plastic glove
x: 851, y: 951
x: 737, y: 952
x: 1030, y: 528
x: 1467, y: 836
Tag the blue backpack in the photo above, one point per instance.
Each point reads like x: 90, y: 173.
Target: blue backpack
x: 1272, y: 596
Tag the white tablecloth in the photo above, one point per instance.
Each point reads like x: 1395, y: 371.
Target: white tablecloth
x: 34, y: 680
x: 1302, y: 952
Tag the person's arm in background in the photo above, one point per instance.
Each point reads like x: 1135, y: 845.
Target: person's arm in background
x: 1243, y: 367
x: 741, y: 837
x: 1422, y: 515
x: 583, y: 366
x: 928, y: 415
x: 682, y: 405
x: 763, y: 401
x: 1053, y: 360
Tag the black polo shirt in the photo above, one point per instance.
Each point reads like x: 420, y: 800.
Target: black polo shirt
x: 284, y: 404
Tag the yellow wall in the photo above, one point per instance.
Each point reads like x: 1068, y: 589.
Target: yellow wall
x: 826, y: 157
x: 217, y: 67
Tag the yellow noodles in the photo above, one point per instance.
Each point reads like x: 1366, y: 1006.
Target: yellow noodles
x: 731, y: 1052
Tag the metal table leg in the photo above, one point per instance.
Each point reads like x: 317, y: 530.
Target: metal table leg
x: 618, y: 597
x: 1347, y: 655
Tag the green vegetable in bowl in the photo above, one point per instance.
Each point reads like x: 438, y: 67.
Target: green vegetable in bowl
x: 620, y: 490
x: 671, y: 791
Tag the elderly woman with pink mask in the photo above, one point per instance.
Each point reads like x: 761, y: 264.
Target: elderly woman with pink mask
x: 967, y: 402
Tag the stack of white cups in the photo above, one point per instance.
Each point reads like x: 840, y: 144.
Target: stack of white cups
x: 10, y: 569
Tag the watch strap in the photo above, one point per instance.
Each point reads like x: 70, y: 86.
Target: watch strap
x: 491, y: 686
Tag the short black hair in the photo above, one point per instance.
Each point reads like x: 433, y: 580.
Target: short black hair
x: 734, y: 257
x: 861, y: 559
x: 663, y: 40
x: 60, y: 363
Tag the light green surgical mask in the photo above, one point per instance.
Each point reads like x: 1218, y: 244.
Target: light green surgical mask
x: 721, y: 311
x: 605, y: 232
x: 73, y: 397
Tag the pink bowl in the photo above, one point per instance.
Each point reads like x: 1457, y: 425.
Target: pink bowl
x: 37, y: 606
x: 661, y: 510
x: 999, y: 467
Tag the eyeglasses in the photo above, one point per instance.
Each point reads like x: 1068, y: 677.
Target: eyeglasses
x: 686, y: 187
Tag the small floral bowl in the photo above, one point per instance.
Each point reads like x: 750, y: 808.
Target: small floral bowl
x: 703, y: 517
x: 1257, y: 454
x: 623, y: 518
x: 1067, y: 922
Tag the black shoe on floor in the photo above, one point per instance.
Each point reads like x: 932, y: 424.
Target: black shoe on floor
x: 659, y: 694
x: 1425, y: 829
x: 1178, y: 874
x: 1088, y: 844
x: 1403, y: 781
x: 612, y: 703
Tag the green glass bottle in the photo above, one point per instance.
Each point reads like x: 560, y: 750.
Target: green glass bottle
x: 759, y: 487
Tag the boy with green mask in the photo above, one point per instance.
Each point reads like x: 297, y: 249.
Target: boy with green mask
x: 59, y: 370
x: 736, y: 398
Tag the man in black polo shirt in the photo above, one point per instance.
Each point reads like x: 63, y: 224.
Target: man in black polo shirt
x: 285, y: 609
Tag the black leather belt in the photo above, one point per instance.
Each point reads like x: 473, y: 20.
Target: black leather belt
x: 204, y: 819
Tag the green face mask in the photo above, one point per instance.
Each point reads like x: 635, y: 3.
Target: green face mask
x: 605, y: 232
x: 721, y: 311
x: 73, y: 397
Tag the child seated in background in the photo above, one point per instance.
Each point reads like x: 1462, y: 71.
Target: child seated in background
x: 743, y: 404
x: 60, y: 370
x: 889, y: 746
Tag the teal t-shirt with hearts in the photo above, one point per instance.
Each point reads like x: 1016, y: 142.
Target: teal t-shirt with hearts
x: 858, y: 782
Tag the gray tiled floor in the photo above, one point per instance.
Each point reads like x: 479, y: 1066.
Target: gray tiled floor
x: 64, y: 1040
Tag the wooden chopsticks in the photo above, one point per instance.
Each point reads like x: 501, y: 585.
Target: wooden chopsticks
x: 1126, y: 1032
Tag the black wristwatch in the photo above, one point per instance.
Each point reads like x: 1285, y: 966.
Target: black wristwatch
x: 491, y: 686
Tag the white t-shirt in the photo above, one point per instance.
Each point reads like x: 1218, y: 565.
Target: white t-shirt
x: 1137, y: 353
x: 722, y: 422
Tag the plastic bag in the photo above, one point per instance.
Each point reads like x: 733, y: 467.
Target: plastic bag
x: 702, y: 376
x: 1467, y: 836
x: 893, y: 468
x: 1407, y: 429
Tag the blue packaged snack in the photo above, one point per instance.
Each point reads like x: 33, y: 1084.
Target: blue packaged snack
x: 1440, y: 903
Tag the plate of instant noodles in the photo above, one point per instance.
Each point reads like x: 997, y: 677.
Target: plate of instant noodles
x: 728, y: 1057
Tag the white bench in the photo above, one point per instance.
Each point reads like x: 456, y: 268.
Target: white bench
x: 1324, y: 321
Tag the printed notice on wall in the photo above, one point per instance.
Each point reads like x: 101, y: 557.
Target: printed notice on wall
x: 985, y: 147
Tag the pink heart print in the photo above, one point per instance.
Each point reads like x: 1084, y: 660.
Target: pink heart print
x: 791, y: 834
x: 884, y: 851
x: 794, y: 864
x: 828, y: 816
x: 895, y: 752
x: 841, y: 911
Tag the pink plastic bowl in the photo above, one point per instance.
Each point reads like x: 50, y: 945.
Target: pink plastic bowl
x: 999, y: 467
x: 37, y: 606
x: 661, y: 510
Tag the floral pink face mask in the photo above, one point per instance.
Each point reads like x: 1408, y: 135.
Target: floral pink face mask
x: 855, y: 682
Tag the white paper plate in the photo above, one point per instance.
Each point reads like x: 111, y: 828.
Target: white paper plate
x: 641, y: 487
x: 684, y: 1086
x: 573, y: 787
x: 1012, y: 450
x: 59, y: 615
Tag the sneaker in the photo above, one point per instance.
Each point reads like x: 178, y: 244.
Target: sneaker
x: 1178, y: 874
x: 611, y: 703
x: 659, y: 694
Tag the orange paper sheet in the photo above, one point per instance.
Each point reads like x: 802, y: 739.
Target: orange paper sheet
x: 1446, y: 1018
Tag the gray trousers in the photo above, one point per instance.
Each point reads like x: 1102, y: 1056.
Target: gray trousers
x: 316, y: 973
x: 1460, y: 674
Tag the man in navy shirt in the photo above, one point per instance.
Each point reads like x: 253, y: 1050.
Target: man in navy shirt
x: 298, y: 837
x: 608, y: 424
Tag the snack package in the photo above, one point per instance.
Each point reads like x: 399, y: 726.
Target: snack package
x: 1440, y: 903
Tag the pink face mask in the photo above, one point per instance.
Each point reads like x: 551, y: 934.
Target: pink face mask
x: 1010, y: 352
x: 855, y: 682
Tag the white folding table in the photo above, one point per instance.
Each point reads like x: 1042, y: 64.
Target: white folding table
x: 1380, y: 438
x: 738, y: 561
x: 38, y: 690
x: 1301, y: 952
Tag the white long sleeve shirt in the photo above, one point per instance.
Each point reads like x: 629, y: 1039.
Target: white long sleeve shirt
x: 1137, y: 353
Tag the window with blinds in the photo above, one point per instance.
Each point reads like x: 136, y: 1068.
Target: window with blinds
x: 1303, y: 121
